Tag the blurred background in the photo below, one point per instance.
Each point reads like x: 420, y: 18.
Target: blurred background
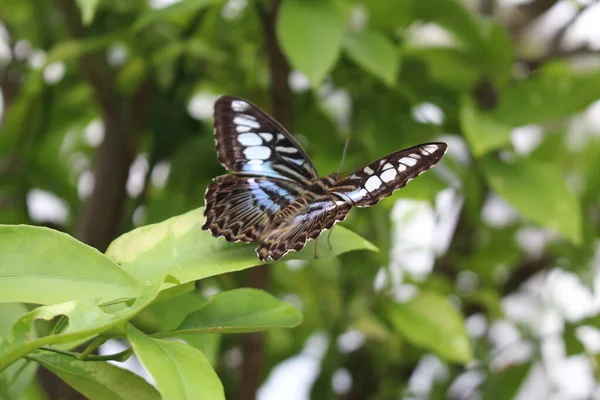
x: 487, y: 280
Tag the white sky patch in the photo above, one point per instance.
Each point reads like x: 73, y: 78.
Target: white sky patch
x: 85, y: 184
x: 525, y: 139
x: 341, y: 381
x: 359, y: 16
x: 293, y: 299
x: 233, y: 9
x: 93, y: 133
x: 22, y: 49
x: 117, y: 55
x: 139, y: 216
x: 44, y: 206
x: 350, y: 341
x: 585, y: 30
x: 137, y: 175
x: 200, y: 106
x: 428, y: 35
x: 465, y: 384
x: 337, y: 103
x: 298, y: 81
x: 476, y: 325
x: 5, y: 53
x: 428, y: 113
x: 497, y: 213
x: 293, y: 378
x: 160, y: 174
x: 428, y: 371
x: 161, y: 3
x: 570, y: 296
x: 113, y: 346
x: 54, y: 72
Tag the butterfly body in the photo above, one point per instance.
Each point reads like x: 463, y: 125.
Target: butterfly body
x: 275, y: 195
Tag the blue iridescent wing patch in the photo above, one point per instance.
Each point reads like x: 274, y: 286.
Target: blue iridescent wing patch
x: 241, y: 208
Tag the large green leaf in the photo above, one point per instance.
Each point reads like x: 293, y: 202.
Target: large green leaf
x: 180, y: 248
x: 483, y: 131
x: 44, y: 266
x: 551, y: 93
x: 430, y: 321
x: 539, y: 192
x: 241, y: 310
x: 97, y: 380
x: 375, y: 53
x: 84, y: 320
x: 310, y: 34
x: 180, y: 371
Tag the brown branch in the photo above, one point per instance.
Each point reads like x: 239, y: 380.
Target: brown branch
x: 252, y: 367
x: 102, y: 211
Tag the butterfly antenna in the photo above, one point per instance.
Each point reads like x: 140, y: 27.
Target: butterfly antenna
x: 344, y: 153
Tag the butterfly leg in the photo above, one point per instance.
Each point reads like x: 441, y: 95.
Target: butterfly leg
x: 329, y: 237
x: 316, y: 256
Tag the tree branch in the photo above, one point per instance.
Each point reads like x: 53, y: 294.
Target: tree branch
x: 102, y: 210
x: 281, y: 99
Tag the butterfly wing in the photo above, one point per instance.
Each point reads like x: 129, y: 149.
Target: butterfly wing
x: 241, y: 208
x: 304, y: 220
x: 381, y: 178
x: 251, y: 142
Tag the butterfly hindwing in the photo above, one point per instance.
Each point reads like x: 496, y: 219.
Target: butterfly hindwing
x: 381, y: 178
x: 249, y: 141
x: 303, y: 220
x: 241, y: 208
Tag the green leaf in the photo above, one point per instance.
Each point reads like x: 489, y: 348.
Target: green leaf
x: 180, y: 248
x: 375, y: 53
x: 500, y: 57
x: 69, y: 50
x: 180, y: 371
x: 505, y: 384
x: 452, y: 15
x: 430, y: 321
x: 483, y: 132
x: 241, y: 310
x: 15, y: 379
x: 97, y: 380
x: 88, y: 9
x: 553, y: 92
x: 44, y: 266
x: 183, y: 7
x: 539, y: 192
x: 310, y: 34
x: 85, y: 319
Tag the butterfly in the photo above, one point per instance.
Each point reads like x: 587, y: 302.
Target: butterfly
x: 274, y: 194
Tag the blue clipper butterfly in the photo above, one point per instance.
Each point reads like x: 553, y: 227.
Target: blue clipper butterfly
x: 274, y: 194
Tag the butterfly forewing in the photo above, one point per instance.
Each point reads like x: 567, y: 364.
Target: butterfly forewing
x: 241, y: 208
x: 381, y: 178
x: 251, y: 142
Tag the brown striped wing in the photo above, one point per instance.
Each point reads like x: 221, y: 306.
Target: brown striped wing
x: 242, y: 208
x: 249, y: 141
x: 302, y: 221
x: 381, y: 178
